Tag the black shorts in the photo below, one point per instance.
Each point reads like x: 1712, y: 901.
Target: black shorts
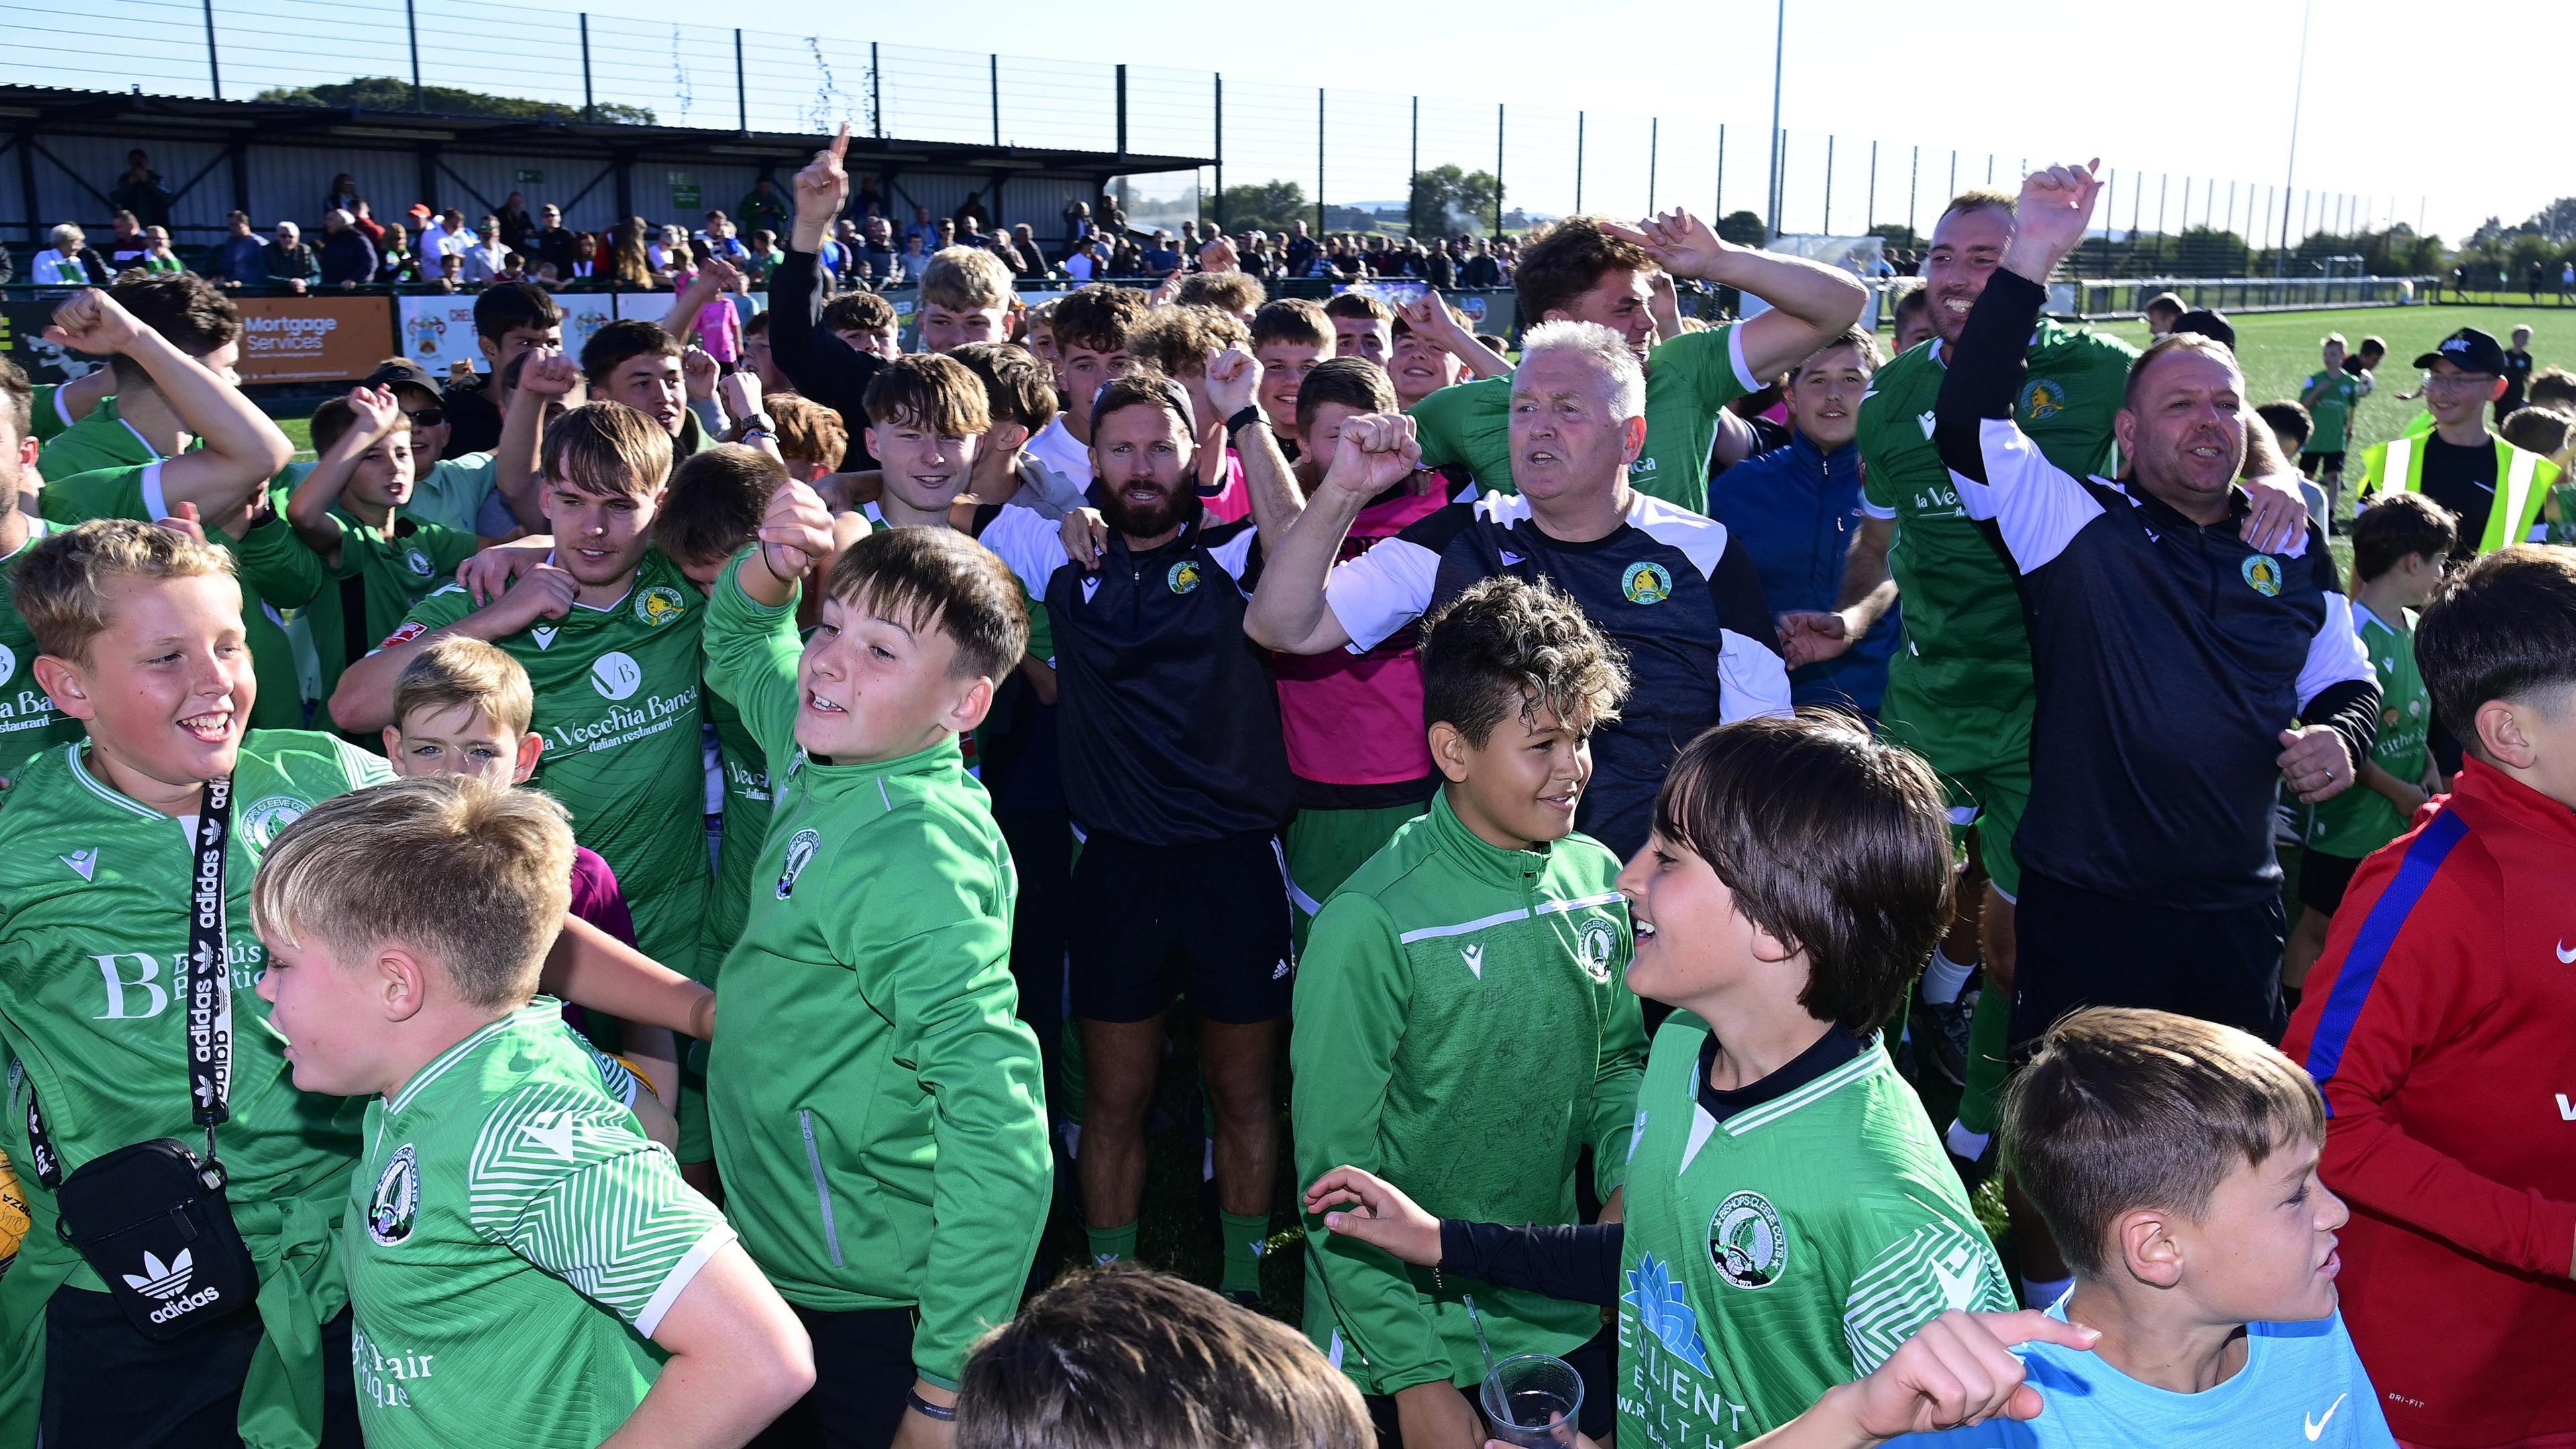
x: 862, y: 1370
x: 107, y: 1384
x: 2082, y: 948
x: 1150, y: 921
x: 1594, y: 1362
x: 2323, y: 879
x: 2311, y: 463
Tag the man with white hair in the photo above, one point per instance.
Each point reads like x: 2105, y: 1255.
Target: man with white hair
x: 1671, y: 586
x: 291, y: 263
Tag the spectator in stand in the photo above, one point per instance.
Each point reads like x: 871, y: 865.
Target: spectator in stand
x: 1482, y: 268
x: 516, y: 225
x: 488, y: 257
x: 588, y: 267
x: 877, y: 251
x: 762, y: 244
x: 1125, y: 260
x: 722, y: 242
x: 126, y: 246
x: 361, y: 217
x: 947, y: 236
x: 238, y: 257
x: 1162, y: 258
x: 140, y: 191
x: 629, y: 266
x: 158, y: 259
x: 550, y: 242
x: 1084, y: 264
x: 446, y: 237
x: 1439, y: 268
x: 762, y: 208
x: 1077, y: 221
x: 347, y: 258
x: 289, y: 262
x: 395, y: 262
x: 669, y: 251
x: 914, y: 257
x: 971, y: 214
x: 344, y: 193
x: 1298, y: 250
x: 1033, y: 259
x: 451, y: 273
x: 924, y: 229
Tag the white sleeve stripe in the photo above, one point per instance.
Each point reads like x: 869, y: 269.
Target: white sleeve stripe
x: 2336, y: 655
x: 1872, y: 510
x: 156, y: 505
x: 1735, y: 356
x: 1379, y: 592
x: 1234, y: 554
x: 1751, y: 679
x: 677, y: 1280
x: 2037, y: 506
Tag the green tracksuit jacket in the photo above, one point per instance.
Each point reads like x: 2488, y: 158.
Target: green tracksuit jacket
x: 1463, y: 1030
x: 875, y: 1099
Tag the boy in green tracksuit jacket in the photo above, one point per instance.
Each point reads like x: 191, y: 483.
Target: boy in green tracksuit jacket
x: 1461, y: 1023
x: 879, y: 1123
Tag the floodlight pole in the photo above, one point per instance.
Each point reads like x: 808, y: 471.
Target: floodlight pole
x: 1779, y: 51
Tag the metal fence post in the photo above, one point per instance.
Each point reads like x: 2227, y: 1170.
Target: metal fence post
x: 1219, y: 147
x: 1578, y: 160
x: 741, y: 92
x: 411, y: 26
x: 1498, y: 169
x: 589, y: 104
x: 1721, y: 175
x: 1320, y: 224
x: 1654, y: 153
x: 1413, y: 166
x: 993, y: 72
x: 1869, y: 211
x: 1913, y: 182
x: 1122, y: 110
x: 1954, y: 173
x: 876, y: 94
x: 1829, y: 184
x: 214, y: 69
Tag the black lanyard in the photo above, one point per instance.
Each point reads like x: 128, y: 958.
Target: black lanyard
x: 210, y: 997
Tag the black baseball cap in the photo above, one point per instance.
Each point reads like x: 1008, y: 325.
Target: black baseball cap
x: 2208, y: 322
x: 401, y: 370
x: 2469, y: 350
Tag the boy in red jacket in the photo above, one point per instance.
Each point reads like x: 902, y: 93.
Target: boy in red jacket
x: 2438, y: 1024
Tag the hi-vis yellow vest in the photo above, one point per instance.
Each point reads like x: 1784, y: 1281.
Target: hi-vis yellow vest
x: 2522, y: 483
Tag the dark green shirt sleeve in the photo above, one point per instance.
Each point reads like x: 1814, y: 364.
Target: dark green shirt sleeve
x: 276, y: 565
x: 751, y: 659
x: 1613, y: 1117
x: 954, y: 1004
x: 1351, y: 1002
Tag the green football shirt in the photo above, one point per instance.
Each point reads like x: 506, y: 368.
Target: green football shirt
x: 2332, y: 410
x: 746, y: 820
x: 618, y: 703
x: 449, y: 492
x: 93, y: 941
x: 1790, y: 1247
x: 1687, y: 380
x: 104, y: 439
x: 876, y: 1101
x: 512, y: 1240
x: 384, y: 573
x: 1961, y: 600
x: 276, y: 571
x: 28, y: 720
x: 2360, y: 820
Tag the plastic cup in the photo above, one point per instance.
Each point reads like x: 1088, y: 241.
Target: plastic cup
x: 1533, y: 1399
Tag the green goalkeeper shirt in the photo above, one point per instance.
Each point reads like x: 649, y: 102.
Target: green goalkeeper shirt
x: 617, y: 698
x: 1961, y: 598
x: 512, y: 1241
x: 28, y: 720
x: 877, y: 1109
x: 1464, y: 1030
x: 1787, y: 1248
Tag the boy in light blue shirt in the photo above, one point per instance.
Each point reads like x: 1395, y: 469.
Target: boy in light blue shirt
x: 2175, y: 1162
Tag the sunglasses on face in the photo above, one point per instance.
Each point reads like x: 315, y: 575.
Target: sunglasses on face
x: 427, y: 417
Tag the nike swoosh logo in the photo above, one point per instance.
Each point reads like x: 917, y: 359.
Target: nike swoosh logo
x: 2318, y: 1426
x: 2565, y: 956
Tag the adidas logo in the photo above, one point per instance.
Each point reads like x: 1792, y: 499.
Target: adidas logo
x: 169, y: 1283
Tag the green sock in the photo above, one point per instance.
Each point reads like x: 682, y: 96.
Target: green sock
x: 1989, y: 1038
x: 1112, y: 1245
x: 1245, y: 1238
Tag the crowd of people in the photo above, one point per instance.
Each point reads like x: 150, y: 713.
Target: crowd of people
x: 1597, y: 784
x: 868, y: 248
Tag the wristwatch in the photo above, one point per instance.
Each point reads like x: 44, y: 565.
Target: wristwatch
x: 1245, y: 418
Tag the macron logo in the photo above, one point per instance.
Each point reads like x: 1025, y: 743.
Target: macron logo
x: 86, y: 862
x: 1090, y: 586
x: 544, y: 634
x: 1474, y: 956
